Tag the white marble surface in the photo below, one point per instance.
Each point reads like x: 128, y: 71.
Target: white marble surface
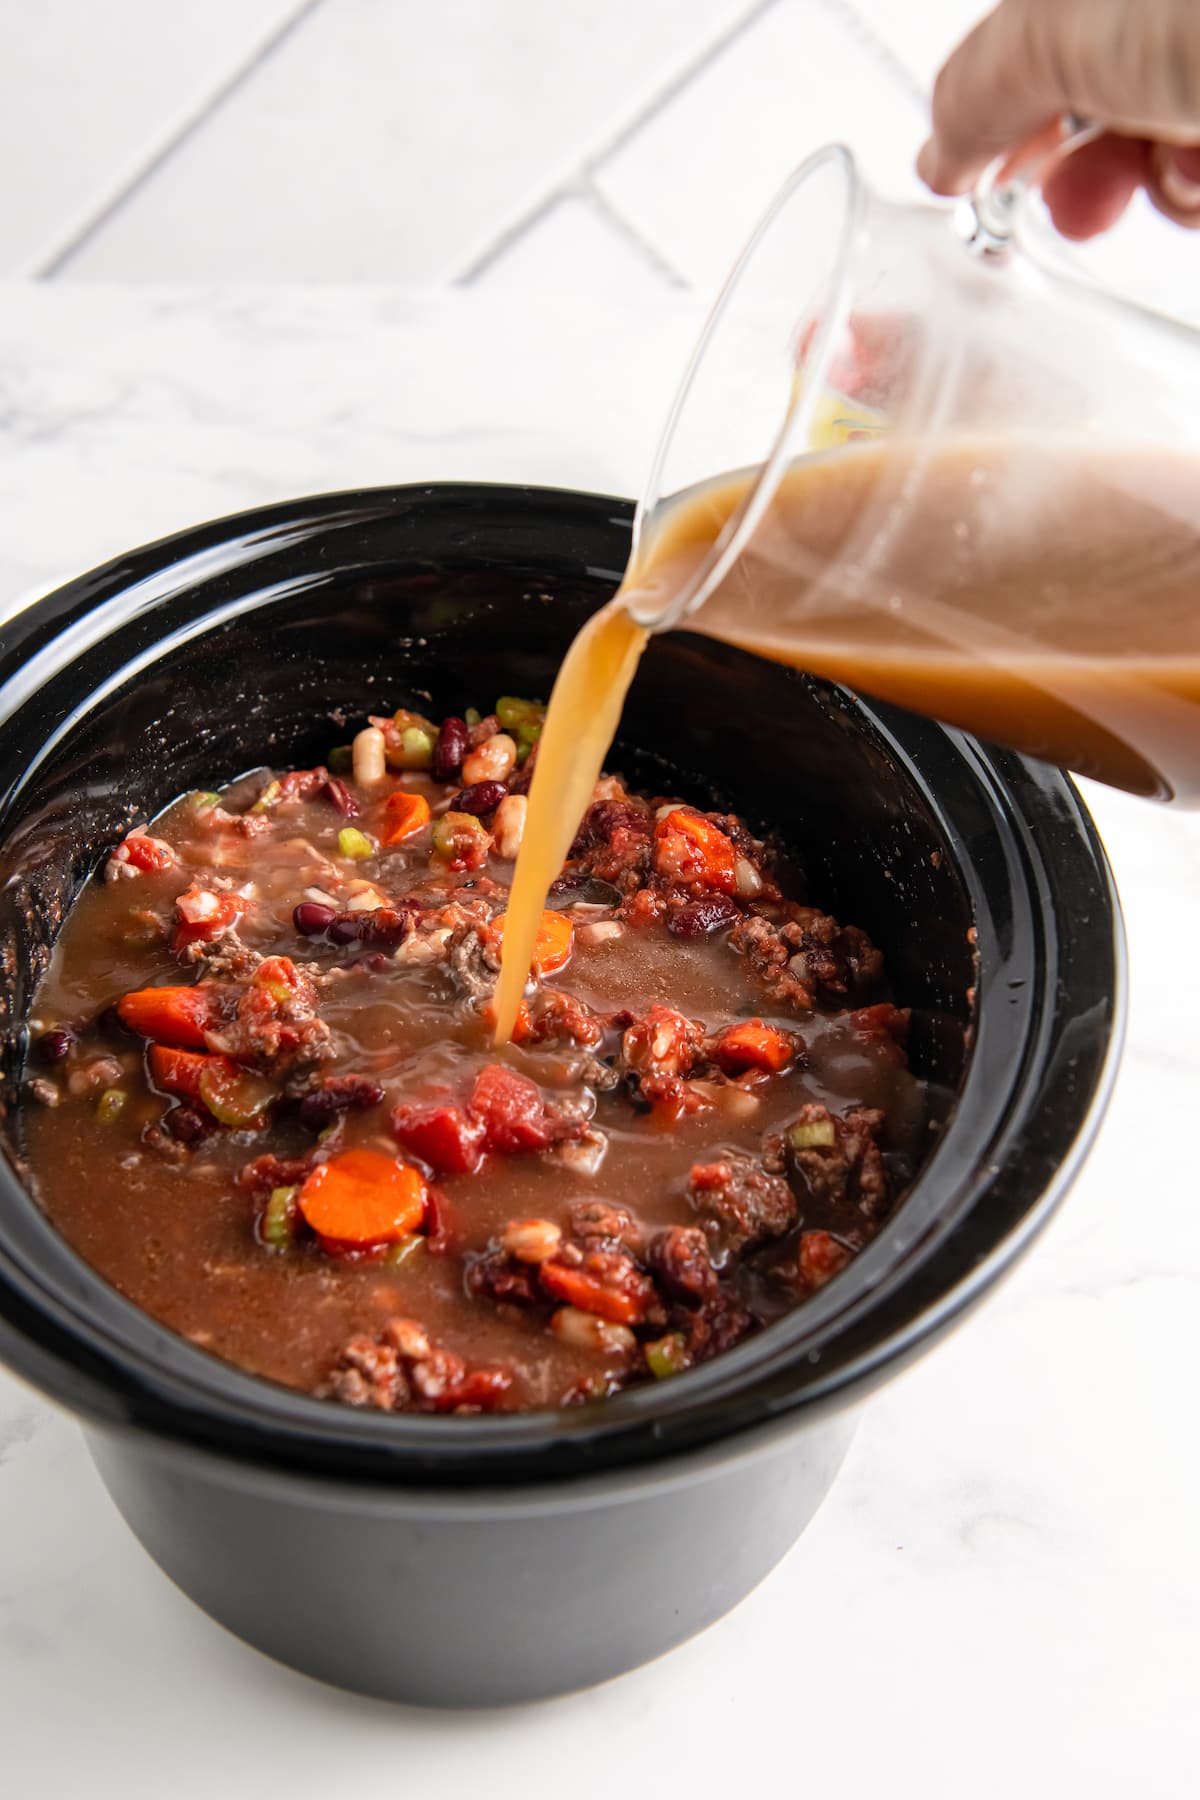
x: 1001, y: 1595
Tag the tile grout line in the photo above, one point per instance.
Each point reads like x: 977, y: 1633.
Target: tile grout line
x: 860, y: 28
x: 57, y: 260
x: 582, y: 181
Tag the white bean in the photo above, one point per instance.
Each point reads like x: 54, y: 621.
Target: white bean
x: 583, y: 1155
x: 600, y: 932
x: 494, y: 760
x: 747, y: 879
x: 585, y: 1331
x: 369, y: 754
x: 508, y: 825
x: 531, y: 1240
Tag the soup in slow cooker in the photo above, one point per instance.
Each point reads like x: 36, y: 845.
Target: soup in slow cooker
x: 264, y: 1102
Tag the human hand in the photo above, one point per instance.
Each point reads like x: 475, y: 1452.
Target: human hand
x: 1130, y: 65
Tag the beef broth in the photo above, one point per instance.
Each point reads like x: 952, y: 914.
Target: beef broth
x: 265, y: 1027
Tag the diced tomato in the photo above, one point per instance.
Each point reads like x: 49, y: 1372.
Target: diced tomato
x: 404, y: 815
x: 511, y: 1109
x: 169, y: 1015
x: 279, y: 977
x: 577, y: 1288
x: 820, y: 1257
x: 444, y: 1136
x: 552, y: 946
x: 177, y: 1071
x: 203, y: 915
x: 692, y: 850
x: 438, y: 1224
x: 885, y: 1025
x: 363, y: 1198
x: 149, y: 854
x: 480, y: 1390
x: 753, y: 1045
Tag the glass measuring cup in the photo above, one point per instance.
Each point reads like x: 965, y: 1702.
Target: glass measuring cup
x: 980, y: 492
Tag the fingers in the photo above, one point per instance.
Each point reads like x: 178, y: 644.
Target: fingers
x: 988, y: 97
x: 1132, y: 64
x: 1173, y: 183
x: 1090, y: 189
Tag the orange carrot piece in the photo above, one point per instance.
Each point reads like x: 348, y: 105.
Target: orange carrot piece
x: 522, y: 1025
x: 694, y: 849
x: 753, y: 1045
x: 177, y: 1071
x: 404, y: 815
x: 362, y: 1198
x: 552, y: 947
x: 591, y: 1296
x: 168, y: 1015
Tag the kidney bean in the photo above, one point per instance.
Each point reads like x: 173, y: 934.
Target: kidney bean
x: 700, y: 918
x: 311, y: 918
x: 52, y: 1046
x: 185, y: 1124
x: 483, y: 797
x: 348, y: 927
x: 341, y: 797
x: 453, y: 743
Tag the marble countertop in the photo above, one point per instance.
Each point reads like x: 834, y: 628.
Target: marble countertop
x: 1001, y: 1594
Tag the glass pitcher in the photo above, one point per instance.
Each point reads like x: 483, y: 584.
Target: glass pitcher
x: 980, y: 495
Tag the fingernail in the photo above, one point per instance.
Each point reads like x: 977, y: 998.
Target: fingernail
x: 1175, y: 178
x: 927, y: 162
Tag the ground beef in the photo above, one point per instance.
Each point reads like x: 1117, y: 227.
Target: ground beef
x: 616, y: 843
x: 808, y: 956
x: 714, y: 1327
x: 660, y: 1050
x: 601, y: 1221
x: 267, y: 1172
x: 556, y: 1017
x: 469, y: 961
x: 497, y: 1276
x: 274, y: 1034
x: 225, y: 958
x: 401, y: 1371
x: 740, y: 1203
x: 841, y: 1184
x: 680, y: 1259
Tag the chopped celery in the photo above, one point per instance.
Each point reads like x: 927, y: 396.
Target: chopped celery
x: 110, y: 1106
x: 340, y: 760
x: 666, y: 1355
x: 819, y: 1135
x: 234, y: 1096
x: 404, y: 1249
x: 416, y: 747
x: 204, y: 798
x: 277, y: 1226
x: 472, y: 716
x: 515, y: 715
x: 267, y: 798
x: 355, y: 843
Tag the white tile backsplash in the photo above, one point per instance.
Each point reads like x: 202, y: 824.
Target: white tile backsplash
x: 90, y: 93
x: 390, y: 141
x: 700, y: 172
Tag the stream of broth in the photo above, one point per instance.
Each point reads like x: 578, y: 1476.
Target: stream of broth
x: 1044, y: 595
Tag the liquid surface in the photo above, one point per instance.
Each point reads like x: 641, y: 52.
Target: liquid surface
x: 623, y: 1042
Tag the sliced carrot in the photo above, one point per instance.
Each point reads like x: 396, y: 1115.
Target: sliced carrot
x: 694, y: 850
x: 168, y: 1015
x: 177, y: 1071
x: 552, y: 946
x: 404, y: 815
x: 363, y: 1197
x: 753, y: 1045
x: 592, y: 1296
x: 522, y: 1025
